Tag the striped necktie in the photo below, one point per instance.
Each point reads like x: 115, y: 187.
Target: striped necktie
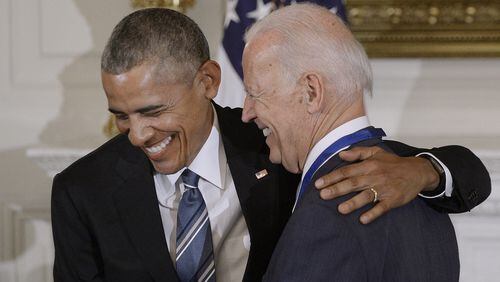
x: 194, y: 253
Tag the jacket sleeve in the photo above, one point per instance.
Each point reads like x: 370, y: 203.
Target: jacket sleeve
x: 76, y: 254
x: 471, y: 180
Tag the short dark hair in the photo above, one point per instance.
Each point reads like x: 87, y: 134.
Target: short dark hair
x: 158, y: 36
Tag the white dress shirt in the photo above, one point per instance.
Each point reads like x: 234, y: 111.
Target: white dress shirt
x: 349, y: 128
x: 231, y: 240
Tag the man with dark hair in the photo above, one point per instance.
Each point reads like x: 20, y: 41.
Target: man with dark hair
x: 187, y: 191
x: 178, y: 47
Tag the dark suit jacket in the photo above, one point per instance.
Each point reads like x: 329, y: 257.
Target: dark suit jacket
x: 107, y: 225
x: 106, y: 220
x: 410, y: 243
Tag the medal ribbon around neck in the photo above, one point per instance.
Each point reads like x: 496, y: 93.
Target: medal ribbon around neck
x: 344, y: 142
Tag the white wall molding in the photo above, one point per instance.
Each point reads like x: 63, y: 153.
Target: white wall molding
x: 27, y: 253
x: 50, y: 38
x: 54, y: 160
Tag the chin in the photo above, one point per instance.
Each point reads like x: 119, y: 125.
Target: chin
x: 274, y: 159
x: 167, y: 168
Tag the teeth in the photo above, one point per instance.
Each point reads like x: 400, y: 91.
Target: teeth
x: 159, y: 147
x: 266, y: 131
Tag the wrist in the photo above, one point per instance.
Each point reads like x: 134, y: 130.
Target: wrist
x: 434, y: 174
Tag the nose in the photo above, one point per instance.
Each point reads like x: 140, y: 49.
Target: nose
x: 248, y: 114
x: 139, y: 132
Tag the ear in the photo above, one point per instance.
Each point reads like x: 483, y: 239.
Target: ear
x: 315, y: 92
x: 209, y: 76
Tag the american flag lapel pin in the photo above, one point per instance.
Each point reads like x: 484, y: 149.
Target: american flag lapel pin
x: 261, y: 174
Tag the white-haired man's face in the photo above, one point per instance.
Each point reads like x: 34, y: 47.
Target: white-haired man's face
x: 276, y: 106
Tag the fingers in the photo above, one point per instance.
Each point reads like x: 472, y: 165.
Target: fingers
x: 345, y: 172
x: 362, y: 199
x: 361, y: 168
x: 349, y: 185
x: 375, y: 212
x: 356, y: 202
x: 397, y: 181
x: 359, y: 153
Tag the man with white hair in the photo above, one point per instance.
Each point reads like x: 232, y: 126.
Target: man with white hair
x: 306, y: 76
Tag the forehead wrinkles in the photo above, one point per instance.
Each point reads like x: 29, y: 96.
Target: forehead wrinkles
x: 265, y: 69
x: 262, y: 46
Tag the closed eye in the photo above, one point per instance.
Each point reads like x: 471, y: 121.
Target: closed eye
x: 152, y: 111
x: 153, y: 114
x: 253, y: 95
x: 121, y: 116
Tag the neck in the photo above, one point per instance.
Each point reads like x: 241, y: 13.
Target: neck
x: 331, y: 118
x: 204, y: 132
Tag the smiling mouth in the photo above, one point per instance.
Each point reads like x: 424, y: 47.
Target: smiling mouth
x: 158, y: 148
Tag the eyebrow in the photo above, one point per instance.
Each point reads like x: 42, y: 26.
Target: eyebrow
x: 141, y: 110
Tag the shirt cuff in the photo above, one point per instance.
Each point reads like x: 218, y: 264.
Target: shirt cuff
x: 448, y: 182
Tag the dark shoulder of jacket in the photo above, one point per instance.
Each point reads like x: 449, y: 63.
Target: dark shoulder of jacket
x: 105, y: 156
x: 389, y: 146
x: 401, y: 149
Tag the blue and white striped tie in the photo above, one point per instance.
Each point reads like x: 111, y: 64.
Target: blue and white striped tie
x: 194, y: 253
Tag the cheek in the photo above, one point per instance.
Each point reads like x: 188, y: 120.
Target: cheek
x: 273, y: 144
x: 284, y: 139
x: 164, y: 123
x: 183, y: 138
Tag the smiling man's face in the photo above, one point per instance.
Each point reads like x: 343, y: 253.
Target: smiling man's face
x: 276, y: 106
x: 168, y: 121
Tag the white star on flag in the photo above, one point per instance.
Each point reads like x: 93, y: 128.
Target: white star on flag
x: 262, y: 10
x: 231, y: 14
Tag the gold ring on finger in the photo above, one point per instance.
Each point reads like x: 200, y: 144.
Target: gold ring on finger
x: 375, y: 195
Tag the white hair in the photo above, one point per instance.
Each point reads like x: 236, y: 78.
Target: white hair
x: 314, y: 39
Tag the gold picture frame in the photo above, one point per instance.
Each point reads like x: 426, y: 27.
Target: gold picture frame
x: 426, y: 28
x: 178, y: 5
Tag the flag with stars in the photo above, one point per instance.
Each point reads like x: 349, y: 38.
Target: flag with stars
x: 240, y: 15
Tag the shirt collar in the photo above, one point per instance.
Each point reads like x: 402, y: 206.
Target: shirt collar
x: 334, y: 135
x: 211, y: 153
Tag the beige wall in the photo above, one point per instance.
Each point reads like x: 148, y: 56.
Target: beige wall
x: 51, y: 104
x: 50, y: 96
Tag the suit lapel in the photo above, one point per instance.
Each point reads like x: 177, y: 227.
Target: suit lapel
x: 242, y: 157
x: 243, y: 167
x: 137, y: 206
x: 263, y: 205
x: 258, y: 201
x: 243, y: 172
